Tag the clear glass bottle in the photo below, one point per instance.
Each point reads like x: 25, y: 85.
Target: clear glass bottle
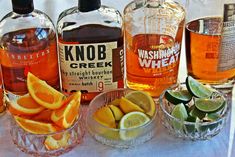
x: 153, y: 36
x: 90, y: 40
x: 209, y: 41
x: 27, y: 44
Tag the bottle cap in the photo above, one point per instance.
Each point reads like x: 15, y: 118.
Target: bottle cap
x: 22, y: 6
x: 88, y: 5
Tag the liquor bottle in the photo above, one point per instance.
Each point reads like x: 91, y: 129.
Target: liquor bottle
x: 210, y: 41
x: 90, y: 40
x: 153, y: 36
x: 27, y: 44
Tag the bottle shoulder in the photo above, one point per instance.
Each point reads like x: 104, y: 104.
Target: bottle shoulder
x: 72, y: 18
x: 36, y: 19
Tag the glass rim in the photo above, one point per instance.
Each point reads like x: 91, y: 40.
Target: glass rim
x: 152, y: 119
x: 223, y: 116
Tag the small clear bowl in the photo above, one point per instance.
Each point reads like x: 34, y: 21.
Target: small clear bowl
x: 113, y: 137
x: 190, y: 130
x: 35, y: 144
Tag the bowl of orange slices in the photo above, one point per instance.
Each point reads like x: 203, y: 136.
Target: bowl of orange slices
x: 44, y: 121
x: 122, y: 118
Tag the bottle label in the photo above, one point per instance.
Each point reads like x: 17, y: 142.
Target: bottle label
x: 154, y: 56
x: 91, y: 67
x: 16, y: 65
x: 227, y: 55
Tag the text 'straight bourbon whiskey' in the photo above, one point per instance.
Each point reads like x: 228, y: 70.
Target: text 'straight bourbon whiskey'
x: 27, y: 44
x: 153, y: 35
x: 90, y: 49
x: 210, y: 45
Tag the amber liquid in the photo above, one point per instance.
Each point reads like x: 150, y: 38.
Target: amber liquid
x: 92, y: 34
x: 151, y: 80
x: 28, y: 50
x: 203, y: 37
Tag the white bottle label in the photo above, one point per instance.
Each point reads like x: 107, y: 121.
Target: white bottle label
x: 87, y: 67
x: 227, y: 55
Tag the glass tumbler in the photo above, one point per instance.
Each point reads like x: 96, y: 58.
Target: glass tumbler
x: 210, y: 42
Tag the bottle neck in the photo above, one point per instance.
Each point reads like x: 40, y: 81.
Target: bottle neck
x: 88, y: 5
x: 22, y: 6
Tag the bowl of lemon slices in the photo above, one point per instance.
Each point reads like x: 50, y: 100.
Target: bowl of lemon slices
x: 122, y: 118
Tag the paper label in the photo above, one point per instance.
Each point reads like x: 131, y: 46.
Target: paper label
x: 227, y: 55
x: 90, y: 67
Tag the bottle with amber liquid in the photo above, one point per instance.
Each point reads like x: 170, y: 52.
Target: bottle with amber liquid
x: 27, y: 44
x: 90, y: 40
x: 153, y: 37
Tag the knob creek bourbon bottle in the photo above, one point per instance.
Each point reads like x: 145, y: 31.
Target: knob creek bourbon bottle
x: 27, y: 44
x: 90, y: 49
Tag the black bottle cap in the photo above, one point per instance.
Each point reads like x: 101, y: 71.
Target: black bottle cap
x: 88, y: 5
x: 22, y: 6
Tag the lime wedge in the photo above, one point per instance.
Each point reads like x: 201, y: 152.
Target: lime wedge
x: 177, y: 97
x: 194, y: 112
x: 180, y: 113
x: 190, y: 128
x: 211, y: 117
x: 197, y: 89
x: 209, y: 105
x: 130, y: 121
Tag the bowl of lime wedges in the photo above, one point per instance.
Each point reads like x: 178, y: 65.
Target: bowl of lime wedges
x: 193, y: 111
x: 122, y: 118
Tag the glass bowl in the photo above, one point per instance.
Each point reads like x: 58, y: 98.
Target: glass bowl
x: 36, y: 144
x: 114, y: 137
x: 190, y: 130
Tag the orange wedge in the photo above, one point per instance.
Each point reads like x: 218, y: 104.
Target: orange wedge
x: 35, y: 127
x: 57, y: 141
x: 65, y: 116
x: 43, y: 93
x: 24, y: 105
x: 75, y: 96
x: 44, y: 116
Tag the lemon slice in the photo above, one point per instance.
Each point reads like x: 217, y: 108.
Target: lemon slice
x: 130, y: 121
x: 143, y: 100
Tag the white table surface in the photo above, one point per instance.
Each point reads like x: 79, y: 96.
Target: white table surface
x: 162, y: 145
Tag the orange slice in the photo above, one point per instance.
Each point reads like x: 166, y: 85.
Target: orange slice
x: 75, y: 96
x: 35, y: 127
x: 44, y: 94
x: 57, y: 141
x: 65, y: 116
x: 44, y: 116
x: 24, y: 105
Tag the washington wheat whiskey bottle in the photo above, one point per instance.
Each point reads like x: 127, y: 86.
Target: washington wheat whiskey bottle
x: 27, y: 44
x: 90, y: 49
x: 153, y: 36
